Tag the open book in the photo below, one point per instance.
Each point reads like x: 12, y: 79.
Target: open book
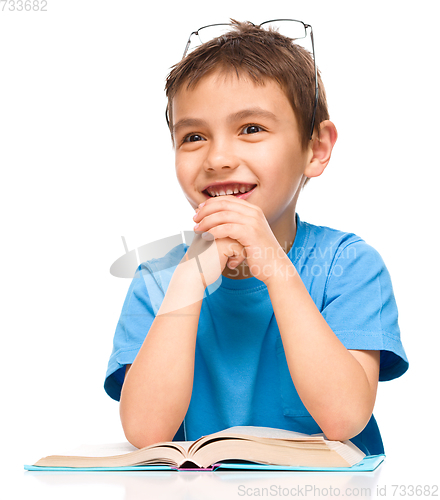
x: 261, y: 445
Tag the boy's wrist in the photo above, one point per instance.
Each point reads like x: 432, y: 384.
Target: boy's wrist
x: 186, y: 287
x: 204, y: 256
x: 283, y: 272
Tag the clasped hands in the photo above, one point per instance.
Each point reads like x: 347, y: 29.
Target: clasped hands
x: 241, y: 233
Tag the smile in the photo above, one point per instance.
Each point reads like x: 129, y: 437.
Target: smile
x: 235, y: 189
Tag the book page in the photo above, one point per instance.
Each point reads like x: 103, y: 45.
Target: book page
x: 184, y: 444
x: 101, y: 449
x: 266, y: 432
x: 113, y: 449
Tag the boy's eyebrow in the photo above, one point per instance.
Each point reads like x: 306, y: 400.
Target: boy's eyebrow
x: 239, y: 115
x: 252, y: 112
x: 188, y: 122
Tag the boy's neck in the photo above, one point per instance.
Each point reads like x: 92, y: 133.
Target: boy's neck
x: 285, y: 240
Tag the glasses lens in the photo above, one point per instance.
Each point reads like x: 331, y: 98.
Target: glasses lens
x: 210, y: 32
x: 291, y: 29
x: 294, y: 30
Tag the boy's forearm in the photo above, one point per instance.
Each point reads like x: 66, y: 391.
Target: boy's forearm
x: 331, y: 383
x: 157, y: 389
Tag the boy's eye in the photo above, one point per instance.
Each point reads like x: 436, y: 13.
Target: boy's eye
x: 252, y: 129
x: 192, y: 138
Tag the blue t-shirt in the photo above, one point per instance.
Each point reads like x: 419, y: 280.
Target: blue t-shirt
x: 241, y: 375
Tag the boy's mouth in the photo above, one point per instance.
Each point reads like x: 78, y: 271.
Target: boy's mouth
x: 237, y: 189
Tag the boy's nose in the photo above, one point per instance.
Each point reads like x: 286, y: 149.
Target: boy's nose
x: 220, y: 156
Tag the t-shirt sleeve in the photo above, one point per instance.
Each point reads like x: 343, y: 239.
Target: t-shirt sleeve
x: 360, y: 308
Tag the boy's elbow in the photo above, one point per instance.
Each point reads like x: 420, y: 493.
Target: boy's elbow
x: 339, y: 433
x: 141, y: 438
x: 140, y: 433
x: 342, y: 429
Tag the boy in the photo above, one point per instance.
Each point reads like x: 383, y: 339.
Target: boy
x: 303, y: 322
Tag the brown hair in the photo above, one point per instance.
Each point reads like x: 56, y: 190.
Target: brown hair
x: 260, y: 54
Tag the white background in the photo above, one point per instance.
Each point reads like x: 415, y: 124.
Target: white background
x: 86, y: 158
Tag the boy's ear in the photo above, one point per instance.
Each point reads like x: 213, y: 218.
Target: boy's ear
x: 321, y: 149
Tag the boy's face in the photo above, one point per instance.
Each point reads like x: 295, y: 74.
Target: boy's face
x: 228, y: 129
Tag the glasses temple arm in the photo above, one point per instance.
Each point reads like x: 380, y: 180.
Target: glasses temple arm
x: 316, y: 81
x: 188, y: 43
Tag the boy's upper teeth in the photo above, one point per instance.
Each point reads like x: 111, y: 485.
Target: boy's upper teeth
x: 229, y: 189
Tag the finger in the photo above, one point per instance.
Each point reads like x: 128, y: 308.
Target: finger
x: 218, y: 218
x: 234, y: 251
x: 229, y: 230
x: 231, y: 249
x: 226, y: 202
x: 234, y: 262
x: 215, y: 259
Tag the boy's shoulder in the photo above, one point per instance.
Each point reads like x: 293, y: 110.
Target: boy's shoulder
x: 318, y: 235
x: 328, y: 244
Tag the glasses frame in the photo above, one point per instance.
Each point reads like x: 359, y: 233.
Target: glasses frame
x: 188, y: 43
